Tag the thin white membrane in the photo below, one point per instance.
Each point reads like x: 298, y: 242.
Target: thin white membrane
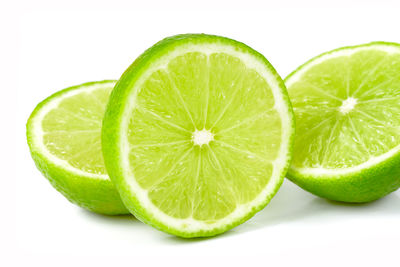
x: 328, y: 173
x: 189, y: 224
x: 38, y: 134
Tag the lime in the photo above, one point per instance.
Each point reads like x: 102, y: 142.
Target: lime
x: 63, y: 135
x: 197, y: 135
x: 347, y: 108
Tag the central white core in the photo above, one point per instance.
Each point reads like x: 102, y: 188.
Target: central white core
x: 348, y: 105
x: 202, y: 137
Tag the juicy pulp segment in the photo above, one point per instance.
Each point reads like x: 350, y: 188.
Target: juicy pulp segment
x: 347, y: 108
x: 197, y: 91
x: 72, y: 130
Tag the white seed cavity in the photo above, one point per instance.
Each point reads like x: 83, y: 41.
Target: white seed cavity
x: 202, y: 137
x: 348, y: 105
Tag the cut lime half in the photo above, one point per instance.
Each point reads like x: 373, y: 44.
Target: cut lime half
x: 63, y: 135
x: 197, y: 134
x: 347, y: 108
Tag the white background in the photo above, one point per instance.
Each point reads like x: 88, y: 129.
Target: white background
x: 49, y: 45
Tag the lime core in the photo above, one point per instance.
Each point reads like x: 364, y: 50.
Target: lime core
x: 202, y: 137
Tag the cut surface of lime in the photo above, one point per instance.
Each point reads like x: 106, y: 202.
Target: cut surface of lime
x: 347, y: 108
x: 197, y: 134
x: 64, y: 136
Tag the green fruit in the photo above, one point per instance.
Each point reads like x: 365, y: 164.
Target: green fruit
x: 347, y: 108
x: 63, y: 135
x: 197, y: 135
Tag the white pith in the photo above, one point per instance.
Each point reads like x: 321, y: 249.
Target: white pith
x: 202, y: 137
x: 37, y: 131
x: 345, y: 108
x: 348, y: 105
x: 189, y: 225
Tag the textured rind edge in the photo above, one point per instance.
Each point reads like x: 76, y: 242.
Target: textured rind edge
x: 113, y: 118
x: 360, y: 186
x: 95, y: 194
x: 364, y: 186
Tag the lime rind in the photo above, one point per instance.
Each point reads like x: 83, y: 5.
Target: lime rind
x: 94, y: 192
x: 361, y: 186
x: 114, y: 143
x: 368, y: 181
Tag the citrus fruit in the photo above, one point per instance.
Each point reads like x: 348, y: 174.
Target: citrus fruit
x: 64, y: 137
x: 347, y: 108
x: 197, y: 135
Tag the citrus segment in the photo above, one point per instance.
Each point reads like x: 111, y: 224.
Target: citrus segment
x: 197, y: 135
x: 64, y: 136
x: 347, y: 107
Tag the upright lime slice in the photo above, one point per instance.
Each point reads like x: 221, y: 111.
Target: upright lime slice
x: 197, y: 135
x: 347, y: 107
x: 64, y: 138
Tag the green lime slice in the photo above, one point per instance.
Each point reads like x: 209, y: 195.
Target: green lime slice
x: 63, y: 135
x: 198, y: 134
x: 347, y: 107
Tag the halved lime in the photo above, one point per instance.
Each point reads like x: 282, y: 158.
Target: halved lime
x: 347, y: 107
x: 197, y: 134
x: 63, y: 135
